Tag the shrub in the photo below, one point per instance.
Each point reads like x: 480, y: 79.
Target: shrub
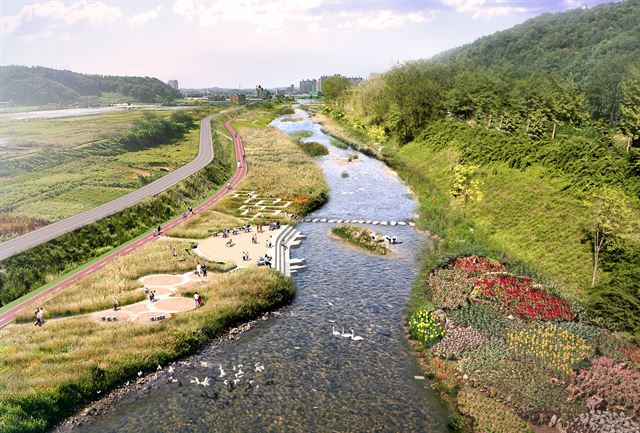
x: 550, y: 346
x: 519, y: 295
x: 450, y: 288
x: 489, y: 415
x: 425, y: 328
x: 482, y: 317
x: 617, y: 384
x: 457, y: 341
x: 588, y: 332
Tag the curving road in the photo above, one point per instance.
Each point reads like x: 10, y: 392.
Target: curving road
x: 241, y: 171
x: 52, y: 231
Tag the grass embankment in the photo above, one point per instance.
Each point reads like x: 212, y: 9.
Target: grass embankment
x: 55, y: 168
x: 361, y: 238
x: 46, y: 373
x: 531, y: 218
x: 278, y: 168
x: 30, y: 269
x: 49, y: 372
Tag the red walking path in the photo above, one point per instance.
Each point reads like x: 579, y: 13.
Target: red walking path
x: 241, y: 171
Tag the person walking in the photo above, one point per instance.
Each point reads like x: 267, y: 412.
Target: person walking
x: 198, y: 270
x: 204, y: 270
x: 116, y: 304
x: 39, y: 317
x: 196, y: 298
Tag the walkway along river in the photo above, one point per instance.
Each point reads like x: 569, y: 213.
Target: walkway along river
x: 297, y: 375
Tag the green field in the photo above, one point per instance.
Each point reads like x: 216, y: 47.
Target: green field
x: 56, y: 168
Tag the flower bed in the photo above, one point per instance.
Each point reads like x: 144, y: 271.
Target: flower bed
x: 457, y: 341
x: 450, y: 288
x: 477, y: 265
x: 551, y: 347
x: 482, y: 317
x: 519, y: 295
x: 616, y: 383
x: 489, y: 415
x: 604, y: 422
x: 425, y: 328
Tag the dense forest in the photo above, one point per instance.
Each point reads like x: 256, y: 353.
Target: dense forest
x: 591, y: 47
x: 38, y: 85
x: 488, y: 116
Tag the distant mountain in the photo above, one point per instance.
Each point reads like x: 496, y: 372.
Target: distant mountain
x: 593, y: 47
x: 39, y: 85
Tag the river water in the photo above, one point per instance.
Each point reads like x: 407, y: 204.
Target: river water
x: 313, y: 380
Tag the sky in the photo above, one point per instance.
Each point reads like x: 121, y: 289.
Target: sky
x: 231, y: 43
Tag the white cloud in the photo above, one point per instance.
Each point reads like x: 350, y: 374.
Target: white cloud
x: 482, y: 8
x: 266, y: 14
x: 144, y: 17
x: 49, y: 16
x: 574, y: 4
x: 383, y: 19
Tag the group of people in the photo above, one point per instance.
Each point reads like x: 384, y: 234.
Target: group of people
x: 265, y: 260
x: 245, y: 256
x: 198, y: 300
x: 201, y: 269
x: 151, y: 294
x: 393, y: 240
x: 39, y: 316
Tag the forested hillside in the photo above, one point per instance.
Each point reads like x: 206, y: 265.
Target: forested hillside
x: 591, y: 47
x: 38, y: 85
x: 514, y: 156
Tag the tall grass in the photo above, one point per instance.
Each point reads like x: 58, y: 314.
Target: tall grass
x: 48, y: 372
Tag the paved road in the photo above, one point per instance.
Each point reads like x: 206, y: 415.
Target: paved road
x: 52, y: 231
x: 241, y: 172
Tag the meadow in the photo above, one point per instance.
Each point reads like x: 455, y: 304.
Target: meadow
x: 56, y: 168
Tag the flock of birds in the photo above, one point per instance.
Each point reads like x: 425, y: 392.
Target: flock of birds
x: 343, y: 334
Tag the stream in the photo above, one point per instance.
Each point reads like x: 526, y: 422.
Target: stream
x: 299, y: 376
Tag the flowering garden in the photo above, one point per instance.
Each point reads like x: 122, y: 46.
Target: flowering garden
x: 516, y: 355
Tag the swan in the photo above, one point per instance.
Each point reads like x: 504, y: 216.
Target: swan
x: 333, y: 330
x: 355, y: 337
x: 205, y: 382
x: 345, y: 335
x: 240, y: 373
x: 195, y: 380
x: 159, y: 368
x: 139, y: 374
x: 222, y: 373
x: 170, y: 369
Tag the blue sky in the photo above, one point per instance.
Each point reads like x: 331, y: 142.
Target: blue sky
x: 204, y: 43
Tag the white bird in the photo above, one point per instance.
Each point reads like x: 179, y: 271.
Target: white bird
x: 204, y: 364
x: 159, y: 368
x: 330, y: 304
x: 235, y: 381
x: 346, y: 335
x: 195, y: 380
x: 170, y: 369
x: 99, y: 392
x: 205, y: 382
x: 333, y: 330
x: 355, y: 337
x: 259, y: 368
x: 240, y: 373
x: 139, y: 374
x: 222, y: 373
x: 172, y: 380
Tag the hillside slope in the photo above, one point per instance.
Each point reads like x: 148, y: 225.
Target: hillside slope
x: 592, y: 47
x: 39, y: 85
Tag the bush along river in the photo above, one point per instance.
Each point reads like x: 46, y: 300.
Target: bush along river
x: 295, y: 372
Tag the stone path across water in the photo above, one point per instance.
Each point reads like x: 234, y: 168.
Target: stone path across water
x: 359, y: 221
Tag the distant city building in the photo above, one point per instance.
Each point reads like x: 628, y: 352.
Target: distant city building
x: 173, y: 83
x: 262, y: 93
x: 280, y: 92
x: 238, y: 99
x: 308, y: 86
x: 291, y: 90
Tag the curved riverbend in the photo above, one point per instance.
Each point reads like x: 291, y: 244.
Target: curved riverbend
x: 314, y: 380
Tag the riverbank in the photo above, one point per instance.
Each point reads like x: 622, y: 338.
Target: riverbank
x: 363, y: 238
x: 49, y: 372
x: 485, y: 386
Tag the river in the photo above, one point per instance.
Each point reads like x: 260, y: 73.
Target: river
x: 313, y: 380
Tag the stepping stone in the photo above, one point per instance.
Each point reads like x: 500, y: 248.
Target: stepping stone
x: 375, y: 223
x: 323, y: 220
x: 332, y: 221
x: 360, y: 222
x: 412, y: 224
x: 315, y: 220
x: 392, y: 223
x: 368, y: 222
x: 402, y: 223
x: 384, y: 223
x: 340, y: 221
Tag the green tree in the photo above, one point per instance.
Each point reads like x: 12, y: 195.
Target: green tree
x: 334, y: 87
x: 465, y: 185
x: 610, y: 212
x: 630, y: 110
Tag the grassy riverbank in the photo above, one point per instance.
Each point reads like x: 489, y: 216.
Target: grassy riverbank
x: 361, y: 238
x: 532, y: 221
x: 47, y: 373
